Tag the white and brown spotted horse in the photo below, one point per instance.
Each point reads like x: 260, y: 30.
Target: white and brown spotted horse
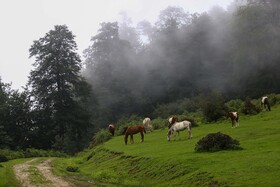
x: 265, y: 103
x: 234, y: 116
x: 112, y: 129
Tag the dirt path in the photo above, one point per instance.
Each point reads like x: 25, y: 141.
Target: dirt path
x: 22, y: 172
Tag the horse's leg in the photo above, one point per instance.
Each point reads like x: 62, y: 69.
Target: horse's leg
x: 237, y: 122
x: 131, y: 138
x: 190, y: 132
x: 142, y: 136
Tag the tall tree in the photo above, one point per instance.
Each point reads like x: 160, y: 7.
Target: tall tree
x: 54, y: 85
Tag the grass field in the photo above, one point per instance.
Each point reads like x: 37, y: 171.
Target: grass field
x: 157, y: 162
x: 7, y: 176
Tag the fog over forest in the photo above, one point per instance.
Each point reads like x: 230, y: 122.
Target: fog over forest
x: 232, y: 52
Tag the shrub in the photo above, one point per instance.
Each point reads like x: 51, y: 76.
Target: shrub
x: 249, y: 107
x: 235, y: 105
x: 213, y: 107
x: 216, y: 142
x: 100, y: 137
x: 3, y: 158
x: 273, y: 99
x: 159, y: 123
x: 72, y: 168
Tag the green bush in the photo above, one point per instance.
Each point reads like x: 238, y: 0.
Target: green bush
x: 249, y: 107
x: 3, y: 158
x: 100, y: 137
x: 213, y: 107
x: 234, y: 105
x: 216, y: 142
x: 159, y: 123
x: 273, y: 99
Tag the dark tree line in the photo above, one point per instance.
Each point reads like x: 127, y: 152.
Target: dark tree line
x: 135, y: 69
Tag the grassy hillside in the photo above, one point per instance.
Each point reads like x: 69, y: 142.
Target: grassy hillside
x: 157, y: 162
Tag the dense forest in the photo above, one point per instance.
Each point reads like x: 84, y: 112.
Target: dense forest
x: 133, y: 69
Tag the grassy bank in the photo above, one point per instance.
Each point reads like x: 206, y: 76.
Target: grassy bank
x: 157, y: 162
x: 7, y: 175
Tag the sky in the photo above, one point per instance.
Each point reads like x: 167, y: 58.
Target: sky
x: 24, y: 21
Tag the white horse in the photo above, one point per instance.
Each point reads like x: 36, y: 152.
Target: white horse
x: 147, y: 123
x: 179, y: 126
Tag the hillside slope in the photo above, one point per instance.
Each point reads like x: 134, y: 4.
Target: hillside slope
x: 157, y: 162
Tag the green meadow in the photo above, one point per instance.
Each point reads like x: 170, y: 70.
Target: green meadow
x: 157, y: 162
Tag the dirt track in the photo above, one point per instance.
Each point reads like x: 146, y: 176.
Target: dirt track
x: 22, y: 172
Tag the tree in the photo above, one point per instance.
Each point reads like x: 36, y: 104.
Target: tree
x: 5, y: 139
x: 54, y: 86
x: 110, y: 71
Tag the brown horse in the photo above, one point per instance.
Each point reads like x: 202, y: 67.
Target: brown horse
x: 134, y: 130
x: 171, y: 121
x: 234, y: 118
x: 265, y: 103
x: 112, y: 129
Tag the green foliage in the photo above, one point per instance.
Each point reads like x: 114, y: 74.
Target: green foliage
x: 159, y: 123
x: 216, y: 142
x: 3, y: 158
x: 249, y: 107
x: 213, y: 107
x: 100, y: 137
x: 30, y: 152
x: 273, y: 99
x: 234, y: 105
x: 59, y: 91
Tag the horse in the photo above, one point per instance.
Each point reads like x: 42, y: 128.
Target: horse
x: 134, y: 130
x: 234, y: 116
x: 112, y: 129
x: 265, y: 103
x: 179, y: 126
x: 171, y: 121
x: 147, y: 124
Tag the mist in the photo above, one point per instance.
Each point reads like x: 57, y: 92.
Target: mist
x: 230, y: 52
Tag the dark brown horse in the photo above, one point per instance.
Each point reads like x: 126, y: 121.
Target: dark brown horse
x: 134, y: 130
x: 112, y: 129
x: 171, y: 121
x: 265, y: 103
x: 234, y: 118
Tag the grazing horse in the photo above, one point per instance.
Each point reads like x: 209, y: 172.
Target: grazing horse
x: 134, y: 130
x: 234, y: 118
x: 147, y: 124
x: 112, y: 129
x: 171, y: 121
x: 265, y: 103
x: 179, y: 126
